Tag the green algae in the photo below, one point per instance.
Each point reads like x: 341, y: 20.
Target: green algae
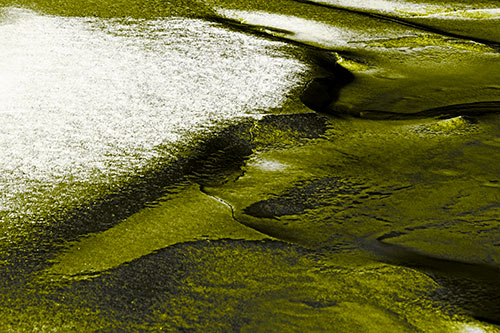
x: 431, y: 40
x: 338, y: 286
x: 411, y: 87
x: 186, y: 216
x: 484, y: 29
x: 472, y: 14
x: 439, y: 201
x: 454, y: 125
x: 398, y: 67
x: 121, y: 8
x: 386, y: 186
x: 427, y: 185
x: 188, y: 213
x: 425, y: 10
x: 357, y: 183
x: 245, y: 286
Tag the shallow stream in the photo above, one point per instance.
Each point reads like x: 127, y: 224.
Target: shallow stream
x: 249, y: 166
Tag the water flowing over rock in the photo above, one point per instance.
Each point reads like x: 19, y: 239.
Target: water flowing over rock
x: 222, y: 165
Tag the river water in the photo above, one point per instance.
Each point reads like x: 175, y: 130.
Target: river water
x: 243, y: 166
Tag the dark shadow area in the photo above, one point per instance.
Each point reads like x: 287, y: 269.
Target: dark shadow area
x: 466, y: 110
x: 305, y: 195
x: 473, y: 287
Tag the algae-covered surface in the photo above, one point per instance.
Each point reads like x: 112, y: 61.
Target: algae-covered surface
x: 254, y: 166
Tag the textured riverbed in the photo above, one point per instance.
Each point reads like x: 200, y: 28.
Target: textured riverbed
x: 249, y: 166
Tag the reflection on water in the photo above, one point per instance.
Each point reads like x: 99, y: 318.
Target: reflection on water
x: 88, y: 104
x: 88, y: 101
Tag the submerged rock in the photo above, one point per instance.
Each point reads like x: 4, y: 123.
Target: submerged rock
x: 305, y: 195
x: 120, y: 183
x: 452, y: 125
x: 244, y: 286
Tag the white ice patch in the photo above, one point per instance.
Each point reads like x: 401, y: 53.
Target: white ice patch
x: 381, y: 5
x: 312, y: 32
x: 385, y: 5
x: 422, y: 9
x: 270, y: 165
x: 301, y: 29
x: 472, y: 328
x: 471, y: 14
x: 90, y: 100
